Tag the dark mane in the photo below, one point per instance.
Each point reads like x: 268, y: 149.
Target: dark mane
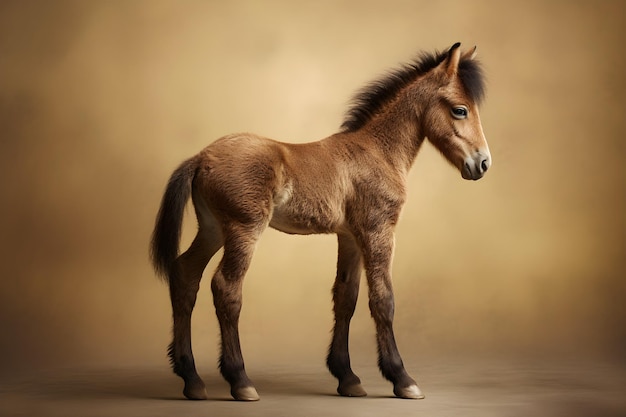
x: 369, y: 100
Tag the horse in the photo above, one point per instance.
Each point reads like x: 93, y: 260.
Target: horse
x: 352, y: 184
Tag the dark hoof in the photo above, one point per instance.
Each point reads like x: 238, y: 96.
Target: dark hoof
x: 245, y: 394
x: 195, y: 390
x: 353, y: 390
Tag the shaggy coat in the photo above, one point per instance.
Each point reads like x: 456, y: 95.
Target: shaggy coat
x: 352, y: 184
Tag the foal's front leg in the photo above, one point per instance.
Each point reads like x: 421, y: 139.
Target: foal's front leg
x: 378, y: 253
x: 345, y: 293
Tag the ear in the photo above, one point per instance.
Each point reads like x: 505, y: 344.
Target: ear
x: 452, y: 62
x: 469, y: 54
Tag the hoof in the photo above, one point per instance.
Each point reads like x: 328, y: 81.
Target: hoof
x: 245, y: 394
x: 354, y: 390
x: 412, y: 392
x: 195, y: 391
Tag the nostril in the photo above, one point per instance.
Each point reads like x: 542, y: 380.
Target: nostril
x: 484, y: 165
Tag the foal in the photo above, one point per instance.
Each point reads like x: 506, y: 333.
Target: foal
x: 352, y: 184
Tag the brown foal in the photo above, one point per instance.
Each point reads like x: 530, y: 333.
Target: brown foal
x: 352, y: 184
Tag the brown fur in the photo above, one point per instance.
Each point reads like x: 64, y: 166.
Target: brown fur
x: 352, y: 184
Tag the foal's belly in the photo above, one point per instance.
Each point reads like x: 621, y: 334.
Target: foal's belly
x: 286, y: 225
x: 297, y: 220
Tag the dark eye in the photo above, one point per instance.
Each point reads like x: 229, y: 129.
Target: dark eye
x: 459, y: 112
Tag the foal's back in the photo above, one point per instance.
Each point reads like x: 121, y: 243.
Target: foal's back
x: 297, y: 188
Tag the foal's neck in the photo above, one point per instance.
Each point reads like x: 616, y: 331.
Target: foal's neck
x: 396, y: 130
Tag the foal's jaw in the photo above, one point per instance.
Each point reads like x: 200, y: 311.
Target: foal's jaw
x: 476, y: 165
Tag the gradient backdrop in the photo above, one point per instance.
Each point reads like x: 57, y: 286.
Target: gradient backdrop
x: 100, y: 101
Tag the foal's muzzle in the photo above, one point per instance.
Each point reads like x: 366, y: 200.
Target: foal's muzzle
x: 475, y: 166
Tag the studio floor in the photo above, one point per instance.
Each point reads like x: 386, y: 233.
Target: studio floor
x: 453, y: 388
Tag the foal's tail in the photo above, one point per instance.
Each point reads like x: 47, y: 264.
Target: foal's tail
x: 167, y: 229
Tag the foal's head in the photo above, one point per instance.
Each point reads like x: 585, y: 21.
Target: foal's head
x: 451, y: 120
x: 444, y: 90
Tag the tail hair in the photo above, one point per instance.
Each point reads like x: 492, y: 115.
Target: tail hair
x: 167, y: 229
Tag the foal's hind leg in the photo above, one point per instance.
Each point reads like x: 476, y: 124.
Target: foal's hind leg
x: 239, y: 243
x: 184, y: 285
x: 345, y: 293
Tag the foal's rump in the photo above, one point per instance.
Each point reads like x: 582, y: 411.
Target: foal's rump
x: 237, y: 176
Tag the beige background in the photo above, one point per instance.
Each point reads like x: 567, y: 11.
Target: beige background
x: 99, y: 102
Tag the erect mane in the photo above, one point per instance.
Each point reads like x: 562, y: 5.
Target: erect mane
x: 369, y: 100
